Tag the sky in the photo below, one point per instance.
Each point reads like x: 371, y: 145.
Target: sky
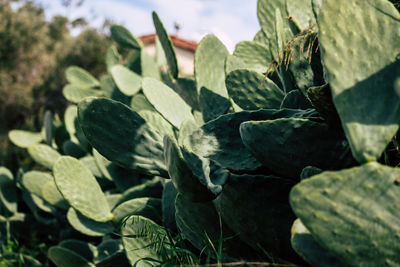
x: 231, y: 21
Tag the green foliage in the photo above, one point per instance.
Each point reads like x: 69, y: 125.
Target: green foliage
x: 277, y: 130
x: 166, y: 44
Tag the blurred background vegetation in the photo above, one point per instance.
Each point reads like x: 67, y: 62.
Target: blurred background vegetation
x: 34, y: 54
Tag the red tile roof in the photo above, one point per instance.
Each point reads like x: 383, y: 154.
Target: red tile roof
x: 178, y: 42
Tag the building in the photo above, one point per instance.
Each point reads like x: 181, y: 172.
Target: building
x: 184, y: 51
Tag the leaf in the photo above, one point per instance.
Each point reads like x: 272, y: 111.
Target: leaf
x: 190, y: 178
x: 209, y: 69
x: 351, y: 213
x: 256, y: 207
x: 124, y: 37
x: 145, y: 206
x: 157, y: 122
x: 139, y: 102
x: 295, y: 100
x: 233, y: 63
x: 132, y: 143
x: 75, y: 94
x: 166, y: 101
x: 283, y: 145
x: 305, y: 245
x: 87, y: 226
x: 8, y: 192
x: 166, y: 44
x: 127, y: 81
x: 359, y: 69
x: 143, y: 239
x: 266, y: 14
x: 82, y: 248
x: 24, y: 138
x: 220, y: 141
x: 43, y: 155
x: 33, y: 181
x: 302, y: 11
x: 149, y: 66
x: 112, y: 57
x: 80, y: 77
x: 51, y: 195
x: 80, y: 188
x: 63, y: 257
x: 255, y: 56
x: 251, y: 91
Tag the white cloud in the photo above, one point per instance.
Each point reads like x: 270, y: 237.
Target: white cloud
x: 230, y: 20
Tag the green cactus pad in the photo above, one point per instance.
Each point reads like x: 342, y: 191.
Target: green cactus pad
x: 82, y: 248
x: 124, y: 37
x: 201, y: 219
x: 63, y: 257
x: 127, y: 81
x: 157, y: 122
x: 87, y: 226
x: 233, y: 63
x: 110, y: 90
x: 321, y: 99
x: 75, y: 94
x: 139, y: 102
x: 80, y: 188
x: 251, y: 91
x: 72, y: 149
x: 261, y: 38
x: 359, y: 68
x: 305, y: 245
x: 187, y: 90
x: 352, y: 213
x: 200, y: 224
x: 168, y: 205
x: 302, y: 11
x: 257, y: 209
x: 90, y: 163
x: 151, y: 188
x: 166, y: 101
x: 107, y: 248
x: 24, y: 138
x: 48, y: 127
x: 187, y: 128
x: 41, y: 204
x: 209, y: 69
x: 166, y: 44
x: 33, y: 181
x: 145, y: 206
x: 80, y: 77
x: 220, y: 139
x: 266, y: 14
x: 309, y: 171
x: 193, y: 183
x: 103, y: 164
x: 112, y: 57
x: 8, y: 192
x: 141, y: 238
x: 70, y: 118
x: 256, y: 56
x: 113, y: 199
x: 149, y: 66
x: 97, y: 116
x: 43, y: 155
x: 283, y: 145
x: 295, y: 100
x: 52, y: 196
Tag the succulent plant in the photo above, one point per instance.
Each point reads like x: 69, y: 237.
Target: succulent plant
x: 300, y: 122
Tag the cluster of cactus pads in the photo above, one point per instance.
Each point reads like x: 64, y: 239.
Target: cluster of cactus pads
x: 284, y: 151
